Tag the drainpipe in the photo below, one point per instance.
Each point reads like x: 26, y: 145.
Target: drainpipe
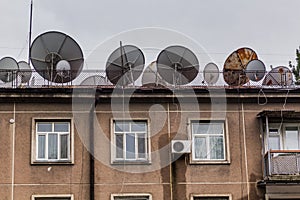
x: 91, y: 147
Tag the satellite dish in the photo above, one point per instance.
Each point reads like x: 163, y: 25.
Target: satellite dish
x: 125, y: 65
x: 211, y: 73
x: 279, y: 76
x: 177, y: 65
x: 151, y: 77
x: 48, y: 49
x: 255, y: 70
x: 24, y: 71
x: 235, y: 65
x: 94, y: 81
x: 8, y: 69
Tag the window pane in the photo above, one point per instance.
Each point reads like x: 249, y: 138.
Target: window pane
x: 291, y: 139
x: 200, y: 148
x: 119, y: 146
x: 141, y: 146
x: 274, y: 142
x: 52, y: 146
x: 210, y: 198
x: 216, y: 147
x: 61, y: 127
x: 64, y: 146
x: 201, y: 128
x: 122, y: 126
x: 41, y: 146
x: 44, y: 127
x: 138, y: 126
x: 130, y: 146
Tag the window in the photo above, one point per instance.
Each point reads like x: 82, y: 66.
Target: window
x: 130, y: 141
x: 52, y: 141
x: 284, y: 136
x: 208, y: 141
x: 131, y: 197
x: 211, y: 197
x: 52, y: 197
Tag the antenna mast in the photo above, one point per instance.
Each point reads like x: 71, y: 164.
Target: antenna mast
x: 30, y: 28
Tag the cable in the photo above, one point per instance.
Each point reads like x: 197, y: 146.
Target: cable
x: 261, y: 92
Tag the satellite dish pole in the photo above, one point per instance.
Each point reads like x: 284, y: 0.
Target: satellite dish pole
x: 30, y: 29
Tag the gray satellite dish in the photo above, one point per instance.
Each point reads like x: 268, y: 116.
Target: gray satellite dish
x: 94, y: 81
x: 211, y: 73
x: 24, y: 71
x: 255, y: 70
x: 279, y: 76
x: 151, y: 77
x: 125, y: 65
x: 8, y: 69
x: 51, y: 47
x: 177, y: 65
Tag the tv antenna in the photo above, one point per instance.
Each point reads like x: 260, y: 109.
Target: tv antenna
x: 47, y: 52
x: 125, y: 65
x: 211, y: 73
x: 177, y: 65
x: 235, y: 66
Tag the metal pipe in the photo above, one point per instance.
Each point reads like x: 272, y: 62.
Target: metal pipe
x: 91, y: 147
x: 30, y: 30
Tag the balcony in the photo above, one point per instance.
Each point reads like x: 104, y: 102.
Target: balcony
x: 282, y: 165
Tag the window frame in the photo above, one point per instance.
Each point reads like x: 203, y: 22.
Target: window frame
x: 34, y: 139
x: 281, y: 127
x: 114, y: 159
x: 137, y: 195
x: 226, y: 143
x: 229, y: 196
x: 35, y: 196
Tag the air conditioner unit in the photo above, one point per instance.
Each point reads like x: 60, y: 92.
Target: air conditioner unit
x: 181, y: 146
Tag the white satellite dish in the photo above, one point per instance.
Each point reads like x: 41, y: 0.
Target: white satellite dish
x: 151, y: 77
x: 211, y: 73
x: 24, y: 71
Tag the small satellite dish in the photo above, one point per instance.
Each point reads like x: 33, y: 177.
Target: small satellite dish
x: 48, y: 49
x: 24, y: 71
x: 255, y: 70
x: 235, y: 65
x: 211, y: 73
x: 94, y: 81
x: 125, y: 65
x: 63, y: 68
x: 177, y: 65
x: 279, y: 76
x: 151, y: 77
x: 8, y: 69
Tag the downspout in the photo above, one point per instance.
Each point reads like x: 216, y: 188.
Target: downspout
x: 171, y: 158
x: 13, y: 125
x: 91, y: 148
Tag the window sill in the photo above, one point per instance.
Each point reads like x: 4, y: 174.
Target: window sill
x: 209, y: 162
x: 131, y: 162
x: 51, y: 162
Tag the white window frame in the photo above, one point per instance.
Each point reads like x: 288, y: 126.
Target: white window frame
x: 229, y: 196
x: 282, y: 196
x: 137, y: 195
x: 35, y: 196
x: 282, y: 133
x: 114, y: 159
x: 226, y: 148
x: 34, y: 144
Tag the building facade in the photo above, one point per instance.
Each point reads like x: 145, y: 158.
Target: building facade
x: 149, y: 143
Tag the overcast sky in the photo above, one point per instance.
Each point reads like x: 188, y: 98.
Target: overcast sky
x: 270, y: 27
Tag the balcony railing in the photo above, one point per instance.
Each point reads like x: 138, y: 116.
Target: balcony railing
x: 15, y: 79
x: 282, y: 163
